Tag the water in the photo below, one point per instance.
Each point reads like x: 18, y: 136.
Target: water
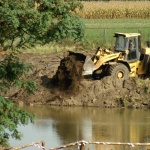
x: 62, y: 125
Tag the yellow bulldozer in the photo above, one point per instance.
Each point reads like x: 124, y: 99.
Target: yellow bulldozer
x: 128, y: 59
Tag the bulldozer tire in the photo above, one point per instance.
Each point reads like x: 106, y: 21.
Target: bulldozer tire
x: 118, y: 71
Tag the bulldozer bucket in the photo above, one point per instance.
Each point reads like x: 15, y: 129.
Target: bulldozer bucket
x: 88, y: 66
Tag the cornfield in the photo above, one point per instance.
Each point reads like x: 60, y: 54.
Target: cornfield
x: 115, y: 9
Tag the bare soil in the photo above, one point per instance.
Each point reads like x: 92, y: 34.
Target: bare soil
x: 60, y: 82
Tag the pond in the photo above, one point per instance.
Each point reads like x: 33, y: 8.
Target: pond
x: 62, y: 125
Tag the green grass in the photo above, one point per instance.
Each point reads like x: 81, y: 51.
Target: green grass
x: 101, y: 31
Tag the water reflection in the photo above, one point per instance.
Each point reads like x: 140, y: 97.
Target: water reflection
x: 62, y: 125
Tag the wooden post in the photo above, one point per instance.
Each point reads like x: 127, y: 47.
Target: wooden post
x: 82, y: 146
x: 104, y: 35
x: 43, y: 144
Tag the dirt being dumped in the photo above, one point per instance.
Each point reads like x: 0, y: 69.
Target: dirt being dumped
x: 69, y: 73
x: 60, y: 82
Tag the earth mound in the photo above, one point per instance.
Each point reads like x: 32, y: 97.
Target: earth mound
x: 69, y: 73
x: 60, y: 82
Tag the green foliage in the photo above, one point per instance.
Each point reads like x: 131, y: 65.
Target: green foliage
x: 28, y: 22
x: 12, y: 69
x: 22, y: 24
x: 30, y: 86
x: 10, y: 117
x: 12, y: 73
x: 112, y: 0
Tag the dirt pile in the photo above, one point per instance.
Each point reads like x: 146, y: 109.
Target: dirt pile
x: 69, y: 73
x: 60, y: 83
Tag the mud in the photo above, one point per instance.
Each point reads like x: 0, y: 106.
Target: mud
x: 60, y: 82
x: 69, y: 73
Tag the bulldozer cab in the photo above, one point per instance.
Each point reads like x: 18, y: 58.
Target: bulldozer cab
x: 129, y: 44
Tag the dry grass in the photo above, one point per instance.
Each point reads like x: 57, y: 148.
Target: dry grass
x: 55, y: 47
x: 115, y: 9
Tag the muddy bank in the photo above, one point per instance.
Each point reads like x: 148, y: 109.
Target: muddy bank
x: 61, y: 83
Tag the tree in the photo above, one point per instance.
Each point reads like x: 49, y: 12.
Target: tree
x: 28, y: 22
x: 10, y: 117
x: 24, y: 23
x: 12, y: 73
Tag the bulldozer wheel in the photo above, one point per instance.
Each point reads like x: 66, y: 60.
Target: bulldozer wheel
x: 119, y: 71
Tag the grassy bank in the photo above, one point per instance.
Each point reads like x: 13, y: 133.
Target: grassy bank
x: 55, y: 47
x: 100, y: 32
